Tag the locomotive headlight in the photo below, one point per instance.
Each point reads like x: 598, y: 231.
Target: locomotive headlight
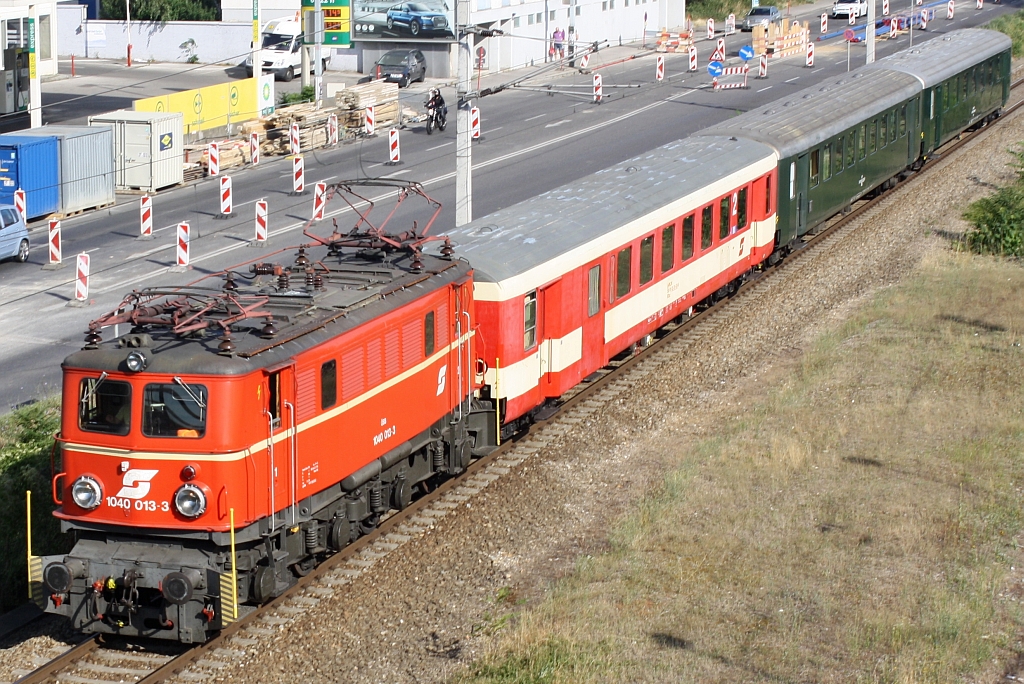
x: 190, y: 501
x: 136, y: 361
x: 87, y: 493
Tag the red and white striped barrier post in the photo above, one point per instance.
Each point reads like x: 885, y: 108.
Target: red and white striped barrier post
x: 810, y: 55
x: 924, y: 20
x: 894, y: 25
x: 20, y: 205
x: 261, y: 224
x: 950, y: 9
x: 146, y: 217
x: 824, y: 22
x: 183, y: 251
x: 598, y: 89
x: 298, y: 175
x: 885, y: 8
x: 693, y: 57
x: 82, y: 278
x: 980, y: 4
x: 254, y: 148
x: 332, y: 130
x: 293, y: 139
x: 711, y: 29
x: 851, y: 18
x: 474, y: 121
x: 730, y: 24
x: 762, y: 67
x: 319, y: 200
x: 659, y: 72
x: 370, y: 125
x: 226, y: 200
x: 213, y: 154
x: 719, y: 54
x: 56, y: 256
x: 394, y: 151
x: 584, y: 61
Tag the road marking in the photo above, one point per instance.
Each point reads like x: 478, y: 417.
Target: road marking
x: 539, y: 116
x: 557, y: 123
x: 437, y: 147
x: 763, y: 89
x: 496, y: 128
x: 398, y: 173
x: 792, y: 79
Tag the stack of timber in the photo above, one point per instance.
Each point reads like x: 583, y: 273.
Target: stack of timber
x: 381, y: 95
x: 232, y: 153
x: 274, y: 136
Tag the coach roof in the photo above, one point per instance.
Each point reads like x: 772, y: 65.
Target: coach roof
x: 582, y: 220
x: 796, y: 123
x: 946, y: 56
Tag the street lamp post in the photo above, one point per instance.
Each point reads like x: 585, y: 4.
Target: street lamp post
x: 128, y: 23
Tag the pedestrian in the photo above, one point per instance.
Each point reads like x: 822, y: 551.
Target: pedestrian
x: 558, y: 43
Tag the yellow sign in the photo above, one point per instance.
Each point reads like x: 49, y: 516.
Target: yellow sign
x: 210, y: 107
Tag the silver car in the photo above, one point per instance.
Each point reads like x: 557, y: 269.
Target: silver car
x: 761, y: 16
x: 13, y: 235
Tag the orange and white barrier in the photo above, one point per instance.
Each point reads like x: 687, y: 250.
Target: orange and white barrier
x: 394, y: 150
x: 319, y: 200
x: 146, y: 216
x: 298, y: 175
x: 711, y: 29
x: 669, y: 42
x: 332, y: 130
x: 20, y: 205
x: 693, y: 58
x: 254, y: 148
x: 732, y: 71
x: 226, y: 200
x: 474, y: 122
x: 183, y: 253
x: 809, y: 60
x: 824, y: 21
x: 371, y: 121
x: 294, y: 140
x: 793, y: 44
x: 584, y: 61
x: 659, y: 71
x: 598, y: 88
x: 261, y: 221
x: 762, y: 66
x: 82, y: 278
x: 55, y: 245
x: 213, y: 153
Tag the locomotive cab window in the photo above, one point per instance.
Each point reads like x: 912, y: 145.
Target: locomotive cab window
x: 624, y: 272
x: 668, y: 247
x: 328, y: 384
x: 646, y: 259
x: 594, y: 291
x: 687, y: 237
x: 105, y: 406
x: 530, y: 321
x: 175, y: 409
x: 428, y: 334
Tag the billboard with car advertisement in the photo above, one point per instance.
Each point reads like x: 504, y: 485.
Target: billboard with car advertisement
x: 411, y: 20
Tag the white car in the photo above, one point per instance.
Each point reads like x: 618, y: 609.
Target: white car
x: 844, y: 8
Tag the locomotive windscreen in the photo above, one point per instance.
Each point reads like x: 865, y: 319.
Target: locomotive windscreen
x: 174, y: 410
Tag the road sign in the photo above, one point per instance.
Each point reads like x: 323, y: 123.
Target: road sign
x: 715, y: 69
x: 849, y: 35
x: 746, y: 53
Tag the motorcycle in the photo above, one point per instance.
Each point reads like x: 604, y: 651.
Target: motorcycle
x: 437, y: 116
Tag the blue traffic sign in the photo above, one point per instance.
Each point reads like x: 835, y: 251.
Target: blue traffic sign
x: 715, y: 69
x: 746, y: 53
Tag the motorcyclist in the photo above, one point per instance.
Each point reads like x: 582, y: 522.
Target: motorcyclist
x: 437, y: 105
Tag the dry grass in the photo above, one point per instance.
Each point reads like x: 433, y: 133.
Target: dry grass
x: 858, y: 523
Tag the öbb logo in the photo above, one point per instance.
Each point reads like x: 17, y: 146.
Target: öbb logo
x: 136, y: 483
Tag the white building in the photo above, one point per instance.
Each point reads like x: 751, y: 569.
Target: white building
x: 14, y: 18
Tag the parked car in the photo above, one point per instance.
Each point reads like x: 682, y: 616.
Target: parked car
x: 401, y: 66
x: 845, y: 8
x: 13, y: 235
x: 760, y: 16
x: 416, y: 17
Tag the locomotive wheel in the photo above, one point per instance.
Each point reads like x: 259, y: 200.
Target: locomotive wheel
x: 401, y: 495
x: 341, y: 533
x: 304, y: 566
x: 263, y: 584
x: 369, y: 525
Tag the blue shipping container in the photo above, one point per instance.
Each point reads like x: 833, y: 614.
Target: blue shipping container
x: 32, y: 164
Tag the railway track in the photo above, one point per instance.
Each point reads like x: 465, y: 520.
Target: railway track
x: 98, y: 660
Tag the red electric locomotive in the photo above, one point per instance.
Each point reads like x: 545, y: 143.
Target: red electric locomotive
x: 239, y: 429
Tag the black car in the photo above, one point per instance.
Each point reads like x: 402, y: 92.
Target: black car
x: 401, y: 66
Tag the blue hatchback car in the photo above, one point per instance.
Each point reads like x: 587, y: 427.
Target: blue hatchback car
x: 417, y: 18
x: 13, y: 235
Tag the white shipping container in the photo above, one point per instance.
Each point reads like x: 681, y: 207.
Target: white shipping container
x: 148, y: 148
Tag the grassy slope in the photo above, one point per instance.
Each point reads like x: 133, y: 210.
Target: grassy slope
x: 858, y: 523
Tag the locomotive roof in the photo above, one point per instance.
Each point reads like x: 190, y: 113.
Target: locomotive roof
x: 356, y: 289
x: 576, y: 216
x: 943, y: 57
x: 796, y: 123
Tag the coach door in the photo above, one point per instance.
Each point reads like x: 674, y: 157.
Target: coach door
x: 282, y: 449
x: 550, y: 334
x: 802, y: 203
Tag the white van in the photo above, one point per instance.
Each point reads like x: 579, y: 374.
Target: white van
x: 281, y: 49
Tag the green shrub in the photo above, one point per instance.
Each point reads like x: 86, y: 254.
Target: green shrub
x: 305, y: 95
x: 1013, y: 26
x: 998, y: 223
x: 162, y: 10
x: 26, y: 437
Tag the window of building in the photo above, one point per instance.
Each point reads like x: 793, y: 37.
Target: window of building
x: 530, y: 321
x: 515, y: 22
x: 604, y: 6
x: 328, y: 384
x: 105, y: 406
x: 814, y: 168
x: 872, y: 136
x: 624, y: 272
x: 539, y: 17
x: 668, y: 247
x: 741, y: 209
x: 174, y: 410
x: 429, y: 339
x: 827, y: 159
x: 705, y: 227
x: 483, y: 4
x: 723, y: 217
x: 611, y: 4
x: 687, y: 237
x: 551, y: 15
x: 646, y: 259
x: 43, y: 37
x: 594, y: 291
x: 577, y: 10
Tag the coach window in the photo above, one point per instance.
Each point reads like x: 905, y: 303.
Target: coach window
x: 881, y: 130
x: 594, y: 291
x: 624, y: 272
x: 646, y: 259
x: 705, y: 227
x: 175, y: 409
x: 328, y: 384
x: 741, y: 209
x: 687, y: 237
x: 530, y: 321
x: 767, y: 196
x: 815, y: 167
x: 827, y: 161
x: 862, y: 137
x: 850, y: 148
x: 837, y: 160
x: 428, y: 334
x: 668, y: 247
x: 903, y: 120
x: 792, y: 180
x: 104, y: 405
x: 723, y: 218
x: 872, y: 136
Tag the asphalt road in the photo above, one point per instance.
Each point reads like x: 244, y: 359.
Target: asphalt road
x: 535, y: 139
